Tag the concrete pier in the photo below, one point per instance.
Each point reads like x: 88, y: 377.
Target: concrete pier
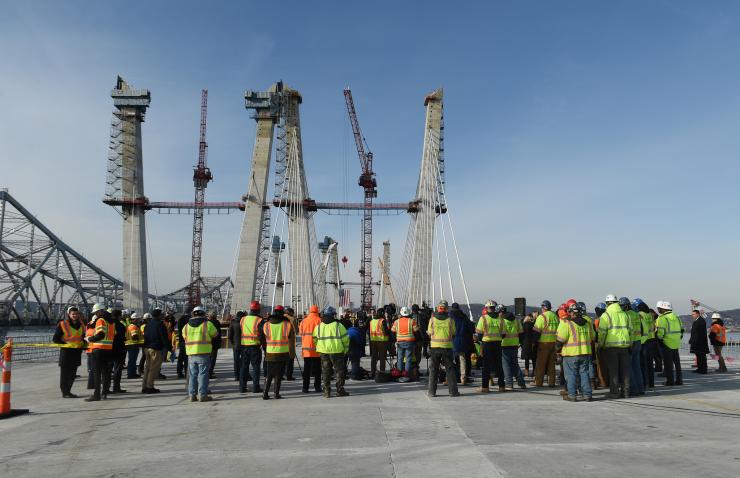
x: 381, y: 430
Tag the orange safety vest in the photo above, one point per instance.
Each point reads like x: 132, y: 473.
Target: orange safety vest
x: 404, y: 329
x: 377, y: 334
x: 720, y: 332
x: 106, y: 343
x: 308, y: 347
x: 89, y: 332
x: 72, y: 337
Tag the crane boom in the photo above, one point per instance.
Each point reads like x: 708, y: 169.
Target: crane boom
x: 201, y: 177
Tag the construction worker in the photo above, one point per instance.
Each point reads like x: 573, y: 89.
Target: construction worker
x: 379, y: 338
x: 647, y: 341
x: 512, y: 332
x: 615, y: 336
x: 134, y: 341
x: 529, y: 351
x: 250, y: 346
x: 311, y: 357
x: 119, y: 350
x: 669, y: 333
x: 637, y: 386
x: 545, y: 329
x: 602, y: 372
x: 233, y: 335
x: 291, y: 316
x: 279, y: 338
x: 182, y: 356
x: 89, y: 332
x: 574, y: 337
x: 69, y: 334
x: 699, y: 345
x: 156, y: 345
x: 216, y: 343
x: 718, y: 338
x: 101, y: 343
x: 332, y: 343
x: 198, y: 335
x: 142, y: 361
x: 441, y: 334
x: 463, y: 345
x: 407, y: 333
x: 490, y: 329
x: 592, y: 362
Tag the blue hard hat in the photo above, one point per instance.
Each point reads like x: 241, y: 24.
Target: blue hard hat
x: 600, y: 306
x: 329, y: 311
x: 546, y: 304
x: 624, y: 301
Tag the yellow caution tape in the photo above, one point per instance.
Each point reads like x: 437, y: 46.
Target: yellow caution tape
x: 36, y: 345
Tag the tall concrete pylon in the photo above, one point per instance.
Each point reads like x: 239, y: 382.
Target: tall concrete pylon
x: 266, y: 106
x: 126, y: 184
x: 422, y: 227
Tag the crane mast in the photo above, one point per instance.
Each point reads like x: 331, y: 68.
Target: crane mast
x: 201, y: 177
x: 369, y: 184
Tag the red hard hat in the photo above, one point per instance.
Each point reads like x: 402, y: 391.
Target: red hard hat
x: 314, y: 308
x: 563, y: 307
x: 279, y: 307
x: 569, y: 303
x: 255, y: 305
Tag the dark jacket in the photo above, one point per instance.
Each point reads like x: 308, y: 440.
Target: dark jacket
x: 155, y: 335
x: 216, y: 341
x: 464, y: 330
x: 356, y: 342
x: 698, y: 340
x: 68, y: 357
x: 119, y: 341
x: 181, y: 323
x: 528, y: 351
x: 234, y: 332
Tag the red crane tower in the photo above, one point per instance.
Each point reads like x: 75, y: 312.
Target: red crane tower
x: 369, y: 185
x: 201, y: 177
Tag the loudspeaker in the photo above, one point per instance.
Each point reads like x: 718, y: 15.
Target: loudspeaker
x: 520, y: 306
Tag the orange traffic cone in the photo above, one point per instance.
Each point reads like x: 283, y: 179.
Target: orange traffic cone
x: 5, y: 364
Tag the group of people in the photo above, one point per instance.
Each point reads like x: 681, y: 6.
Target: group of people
x: 622, y: 346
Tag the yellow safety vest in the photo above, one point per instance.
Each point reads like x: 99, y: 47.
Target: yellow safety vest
x: 441, y: 333
x: 331, y: 338
x: 72, y: 336
x: 198, y: 339
x: 277, y: 336
x: 547, y: 325
x: 512, y: 329
x: 669, y: 330
x: 636, y: 323
x: 648, y: 327
x: 576, y: 339
x: 615, y: 328
x: 490, y: 328
x: 250, y: 330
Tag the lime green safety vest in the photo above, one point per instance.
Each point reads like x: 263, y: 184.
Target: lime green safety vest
x: 277, y: 337
x: 250, y: 330
x: 512, y: 329
x: 615, y: 328
x: 648, y: 327
x: 490, y: 328
x: 547, y: 325
x: 331, y: 338
x: 198, y: 339
x: 669, y: 330
x: 636, y: 323
x: 441, y: 333
x: 576, y: 339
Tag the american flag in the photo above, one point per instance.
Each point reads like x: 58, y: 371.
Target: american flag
x: 344, y: 300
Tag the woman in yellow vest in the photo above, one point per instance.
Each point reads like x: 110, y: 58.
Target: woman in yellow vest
x: 279, y: 338
x: 69, y: 334
x: 574, y: 336
x: 198, y: 335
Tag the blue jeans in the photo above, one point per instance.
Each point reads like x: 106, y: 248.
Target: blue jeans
x: 638, y: 385
x: 576, y: 374
x: 405, y: 351
x: 198, y: 367
x: 133, y: 354
x: 511, y: 366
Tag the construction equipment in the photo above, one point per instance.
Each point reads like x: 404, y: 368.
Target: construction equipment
x: 201, y: 177
x: 369, y: 185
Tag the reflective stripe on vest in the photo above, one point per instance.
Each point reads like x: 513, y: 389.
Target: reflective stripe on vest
x: 616, y: 339
x: 250, y: 330
x: 277, y: 336
x: 330, y: 341
x: 71, y: 336
x: 197, y: 340
x: 109, y: 329
x: 579, y: 340
x: 550, y: 326
x: 134, y: 335
x: 441, y: 333
x: 512, y: 329
x: 489, y: 334
x: 404, y: 328
x: 308, y: 347
x: 376, y: 331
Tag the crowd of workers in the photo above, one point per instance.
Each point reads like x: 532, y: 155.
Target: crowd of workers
x: 623, y: 347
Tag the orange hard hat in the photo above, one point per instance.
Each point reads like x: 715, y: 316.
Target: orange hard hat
x: 314, y: 309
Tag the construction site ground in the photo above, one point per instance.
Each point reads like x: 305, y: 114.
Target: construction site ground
x: 383, y: 430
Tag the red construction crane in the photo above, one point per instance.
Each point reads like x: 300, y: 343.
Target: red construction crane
x: 201, y: 177
x: 369, y: 185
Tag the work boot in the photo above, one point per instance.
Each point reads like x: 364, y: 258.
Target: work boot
x: 563, y: 392
x: 526, y: 372
x: 193, y: 398
x: 509, y: 388
x: 502, y: 389
x: 118, y: 390
x: 594, y: 385
x: 162, y: 376
x: 483, y: 390
x: 318, y: 390
x: 570, y: 398
x: 305, y: 390
x: 455, y: 394
x: 522, y: 386
x: 92, y: 398
x: 278, y: 396
x: 265, y: 396
x: 342, y: 393
x: 207, y: 398
x: 326, y: 393
x: 589, y: 399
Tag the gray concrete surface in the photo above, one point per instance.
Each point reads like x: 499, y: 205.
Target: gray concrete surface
x: 381, y: 430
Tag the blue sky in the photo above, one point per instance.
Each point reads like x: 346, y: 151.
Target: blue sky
x: 591, y: 146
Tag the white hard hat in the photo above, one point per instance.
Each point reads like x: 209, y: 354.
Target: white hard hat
x: 716, y: 316
x: 198, y: 308
x: 97, y: 307
x: 611, y: 298
x: 664, y: 304
x: 405, y: 311
x: 126, y: 312
x: 135, y: 316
